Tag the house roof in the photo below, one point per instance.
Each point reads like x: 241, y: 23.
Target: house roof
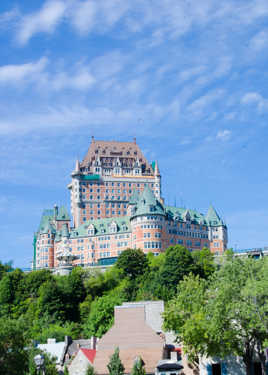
x: 134, y: 337
x: 89, y: 353
x: 54, y: 349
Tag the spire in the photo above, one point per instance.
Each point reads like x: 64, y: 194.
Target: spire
x: 213, y: 217
x: 156, y: 170
x: 77, y: 166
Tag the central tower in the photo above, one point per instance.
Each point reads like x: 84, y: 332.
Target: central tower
x: 104, y: 181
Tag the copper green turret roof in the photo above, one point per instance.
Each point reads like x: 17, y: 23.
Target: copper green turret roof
x: 62, y: 214
x: 148, y: 204
x: 212, y: 217
x: 45, y: 224
x: 48, y: 216
x: 134, y: 197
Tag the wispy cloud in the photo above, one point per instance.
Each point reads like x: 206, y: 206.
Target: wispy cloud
x: 17, y: 74
x: 254, y: 98
x: 45, y: 20
x: 259, y: 41
x: 168, y: 19
x: 224, y: 135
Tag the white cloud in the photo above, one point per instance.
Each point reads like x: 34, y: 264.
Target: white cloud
x: 83, y: 15
x: 254, y: 98
x: 185, y: 75
x: 259, y: 41
x: 20, y: 73
x: 81, y: 80
x: 198, y: 107
x: 224, y: 135
x: 44, y: 20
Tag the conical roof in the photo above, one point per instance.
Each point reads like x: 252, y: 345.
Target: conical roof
x: 212, y: 217
x: 148, y: 204
x: 134, y: 197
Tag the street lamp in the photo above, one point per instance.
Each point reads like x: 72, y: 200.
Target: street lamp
x: 39, y: 361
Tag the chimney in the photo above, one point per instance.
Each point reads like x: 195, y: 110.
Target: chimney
x: 56, y: 211
x: 93, y: 342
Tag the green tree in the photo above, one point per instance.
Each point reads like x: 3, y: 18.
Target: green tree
x: 177, y: 264
x: 101, y: 315
x: 227, y: 314
x: 10, y: 290
x: 115, y: 366
x: 90, y: 370
x: 13, y: 356
x: 138, y: 367
x: 5, y: 267
x: 203, y: 262
x: 133, y: 263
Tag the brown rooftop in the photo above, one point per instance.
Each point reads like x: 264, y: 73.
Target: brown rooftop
x: 114, y: 149
x: 134, y: 337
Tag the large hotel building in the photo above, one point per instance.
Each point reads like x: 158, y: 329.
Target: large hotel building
x: 116, y: 203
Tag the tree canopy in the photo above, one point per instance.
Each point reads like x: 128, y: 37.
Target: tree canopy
x: 115, y: 366
x: 225, y: 315
x: 133, y: 263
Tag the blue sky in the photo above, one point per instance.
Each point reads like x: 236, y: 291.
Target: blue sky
x: 187, y: 78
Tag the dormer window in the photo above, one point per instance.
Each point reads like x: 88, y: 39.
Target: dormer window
x: 91, y: 230
x: 113, y: 227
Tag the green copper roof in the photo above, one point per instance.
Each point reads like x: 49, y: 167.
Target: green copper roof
x: 178, y: 213
x: 102, y: 227
x: 148, y: 204
x: 134, y: 197
x: 212, y: 217
x: 48, y: 216
x: 90, y: 177
x: 65, y: 231
x: 45, y: 225
x: 63, y: 214
x: 153, y: 165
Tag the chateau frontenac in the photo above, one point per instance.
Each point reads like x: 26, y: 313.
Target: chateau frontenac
x: 116, y: 203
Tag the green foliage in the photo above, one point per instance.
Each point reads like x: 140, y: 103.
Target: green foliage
x: 115, y: 366
x: 57, y: 331
x: 177, y: 264
x: 138, y: 367
x: 90, y: 370
x: 49, y: 363
x: 66, y: 371
x: 133, y: 263
x: 228, y: 314
x: 13, y: 356
x: 6, y: 267
x: 101, y: 315
x: 203, y: 262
